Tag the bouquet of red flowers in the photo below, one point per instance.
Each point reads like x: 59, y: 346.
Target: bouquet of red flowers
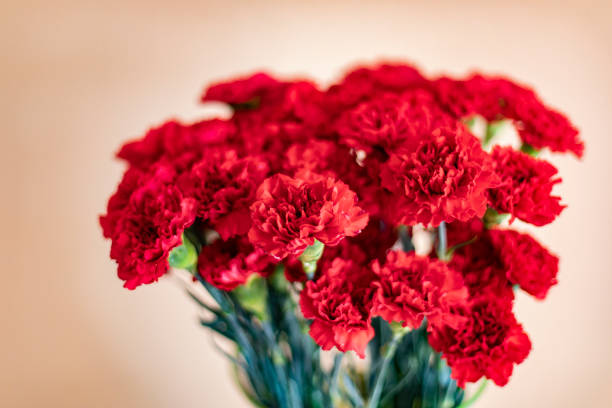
x: 365, y: 217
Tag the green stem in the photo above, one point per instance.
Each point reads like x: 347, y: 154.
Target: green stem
x: 476, y: 395
x: 442, y: 242
x: 380, y: 380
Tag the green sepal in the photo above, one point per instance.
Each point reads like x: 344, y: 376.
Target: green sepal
x: 530, y: 150
x: 248, y: 105
x: 184, y: 256
x: 310, y: 256
x: 492, y: 218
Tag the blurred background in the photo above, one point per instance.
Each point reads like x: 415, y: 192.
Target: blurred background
x: 78, y: 78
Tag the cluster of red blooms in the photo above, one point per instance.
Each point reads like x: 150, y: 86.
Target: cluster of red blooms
x: 347, y: 167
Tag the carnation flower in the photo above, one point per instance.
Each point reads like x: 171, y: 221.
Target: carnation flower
x: 372, y: 243
x: 294, y: 114
x: 478, y: 261
x: 339, y: 303
x: 146, y: 227
x: 497, y: 98
x: 228, y: 264
x: 411, y: 287
x: 323, y: 157
x: 526, y: 262
x: 178, y: 144
x: 526, y: 186
x: 389, y: 120
x: 488, y: 343
x: 445, y: 178
x: 224, y: 186
x: 242, y: 90
x: 367, y: 82
x: 290, y: 213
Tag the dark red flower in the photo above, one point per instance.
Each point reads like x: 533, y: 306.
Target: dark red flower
x: 224, y: 186
x: 130, y: 182
x: 177, y: 143
x: 497, y: 98
x: 339, y: 303
x: 242, y: 90
x: 444, y: 178
x: 290, y: 213
x: 526, y: 262
x: 228, y: 264
x: 488, y: 343
x: 391, y: 120
x: 411, y: 287
x: 478, y: 261
x: 366, y: 82
x: 323, y: 157
x: 526, y: 187
x: 294, y: 116
x: 146, y: 227
x: 373, y: 242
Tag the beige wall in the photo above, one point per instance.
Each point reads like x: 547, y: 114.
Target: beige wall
x: 78, y: 78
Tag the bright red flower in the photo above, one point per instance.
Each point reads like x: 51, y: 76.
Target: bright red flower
x: 228, y: 264
x: 180, y: 145
x: 339, y: 303
x: 444, y: 178
x: 391, y: 120
x: 478, y: 261
x: 366, y: 82
x: 411, y: 287
x: 242, y: 90
x: 294, y: 115
x: 526, y: 187
x: 373, y: 242
x: 488, y: 343
x: 224, y: 186
x: 130, y: 182
x: 526, y: 262
x: 497, y: 98
x: 290, y: 213
x: 146, y: 227
x: 323, y: 157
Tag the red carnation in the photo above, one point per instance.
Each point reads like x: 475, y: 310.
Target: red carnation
x: 410, y: 287
x: 147, y: 227
x: 130, y: 182
x: 389, y: 120
x: 320, y: 156
x: 224, y: 186
x: 242, y: 90
x: 179, y: 144
x: 339, y: 303
x: 526, y: 262
x: 497, y: 98
x: 372, y: 243
x: 228, y: 264
x: 366, y: 82
x: 444, y: 178
x: 293, y: 114
x: 526, y: 186
x: 478, y: 261
x: 290, y: 213
x: 488, y: 343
